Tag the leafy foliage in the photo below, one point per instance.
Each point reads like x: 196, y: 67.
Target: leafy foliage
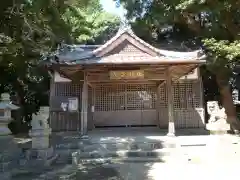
x: 90, y: 25
x: 210, y: 24
x: 29, y: 30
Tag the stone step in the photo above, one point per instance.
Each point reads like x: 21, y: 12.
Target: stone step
x: 128, y: 159
x: 131, y: 146
x: 117, y: 145
x: 147, y: 146
x: 124, y: 153
x: 86, y: 149
x: 164, y: 159
x: 158, y: 155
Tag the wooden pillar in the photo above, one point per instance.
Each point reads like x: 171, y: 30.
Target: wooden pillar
x: 84, y: 111
x: 171, y: 125
x: 52, y: 94
x: 158, y: 103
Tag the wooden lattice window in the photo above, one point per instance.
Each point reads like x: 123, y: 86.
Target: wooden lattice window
x: 67, y: 89
x: 163, y: 97
x: 133, y: 97
x: 197, y: 94
x: 150, y: 96
x: 124, y: 97
x: 142, y: 96
x: 186, y: 95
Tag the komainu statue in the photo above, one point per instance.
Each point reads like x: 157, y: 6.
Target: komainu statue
x: 217, y: 114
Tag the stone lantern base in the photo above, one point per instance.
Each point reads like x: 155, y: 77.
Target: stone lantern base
x: 4, y: 130
x: 40, y: 144
x: 41, y: 150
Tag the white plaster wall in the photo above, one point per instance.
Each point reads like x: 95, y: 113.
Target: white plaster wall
x: 59, y: 78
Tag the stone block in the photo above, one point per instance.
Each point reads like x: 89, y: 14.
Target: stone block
x: 122, y: 145
x: 145, y: 146
x: 40, y: 142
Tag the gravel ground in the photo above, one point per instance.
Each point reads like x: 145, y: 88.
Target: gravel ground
x: 197, y: 168
x: 146, y: 171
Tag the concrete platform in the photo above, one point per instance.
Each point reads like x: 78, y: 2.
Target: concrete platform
x: 150, y: 135
x: 146, y: 139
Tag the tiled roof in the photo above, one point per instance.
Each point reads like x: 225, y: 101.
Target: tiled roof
x: 75, y: 52
x: 87, y: 54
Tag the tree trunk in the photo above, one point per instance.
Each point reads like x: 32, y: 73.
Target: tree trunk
x: 227, y: 102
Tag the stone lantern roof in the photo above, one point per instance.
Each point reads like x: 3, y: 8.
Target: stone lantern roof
x: 6, y: 103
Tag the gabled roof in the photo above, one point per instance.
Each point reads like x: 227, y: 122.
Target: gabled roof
x: 127, y: 34
x: 99, y: 54
x: 122, y: 35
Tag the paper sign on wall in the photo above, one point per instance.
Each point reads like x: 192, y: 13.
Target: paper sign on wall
x: 73, y: 104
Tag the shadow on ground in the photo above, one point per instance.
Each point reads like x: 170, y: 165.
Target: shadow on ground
x: 116, y: 171
x: 96, y: 172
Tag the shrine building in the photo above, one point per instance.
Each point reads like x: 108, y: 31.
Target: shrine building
x: 125, y: 82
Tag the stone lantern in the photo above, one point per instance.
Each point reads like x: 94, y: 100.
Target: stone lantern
x: 8, y: 149
x: 5, y: 113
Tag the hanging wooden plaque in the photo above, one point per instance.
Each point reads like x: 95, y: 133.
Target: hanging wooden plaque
x: 128, y: 74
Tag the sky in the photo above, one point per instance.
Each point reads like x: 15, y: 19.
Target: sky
x: 109, y: 6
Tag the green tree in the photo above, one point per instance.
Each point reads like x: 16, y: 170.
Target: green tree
x: 212, y: 24
x: 29, y: 30
x: 91, y: 24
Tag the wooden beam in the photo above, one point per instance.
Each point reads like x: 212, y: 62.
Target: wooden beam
x: 125, y: 81
x: 178, y: 76
x: 161, y: 83
x: 98, y: 68
x: 181, y: 70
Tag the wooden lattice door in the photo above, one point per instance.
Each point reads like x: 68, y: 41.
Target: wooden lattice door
x: 125, y: 105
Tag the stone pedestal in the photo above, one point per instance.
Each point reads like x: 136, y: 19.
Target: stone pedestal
x: 40, y: 138
x: 219, y: 143
x: 40, y: 133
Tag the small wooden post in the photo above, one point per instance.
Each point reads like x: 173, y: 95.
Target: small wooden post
x: 84, y: 106
x: 171, y: 125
